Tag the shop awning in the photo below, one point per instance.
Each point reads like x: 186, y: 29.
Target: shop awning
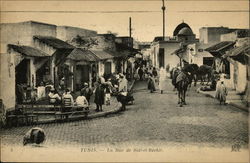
x: 240, y: 54
x: 28, y: 51
x: 40, y: 58
x: 54, y: 42
x: 219, y: 49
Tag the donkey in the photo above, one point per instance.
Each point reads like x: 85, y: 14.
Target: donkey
x: 193, y: 70
x: 182, y: 83
x: 205, y: 72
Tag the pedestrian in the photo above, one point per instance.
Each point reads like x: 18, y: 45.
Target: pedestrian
x: 146, y: 73
x: 140, y: 72
x: 122, y: 98
x: 154, y: 72
x: 150, y: 70
x: 99, y: 96
x: 87, y: 91
x: 162, y: 76
x: 81, y: 101
x: 62, y: 83
x: 108, y: 91
x: 101, y: 79
x: 221, y: 92
x: 123, y: 83
x: 151, y: 83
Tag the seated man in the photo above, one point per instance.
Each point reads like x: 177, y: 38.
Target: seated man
x: 54, y: 97
x: 81, y: 101
x: 68, y: 96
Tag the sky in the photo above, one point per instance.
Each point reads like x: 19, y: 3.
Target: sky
x: 113, y: 15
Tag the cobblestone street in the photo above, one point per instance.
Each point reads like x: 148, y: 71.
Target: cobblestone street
x: 154, y: 120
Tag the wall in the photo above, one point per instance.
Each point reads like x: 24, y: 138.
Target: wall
x: 170, y: 59
x: 112, y: 66
x: 22, y: 33
x: 7, y: 81
x: 103, y: 43
x: 196, y: 56
x: 229, y: 37
x: 212, y: 34
x: 67, y: 33
x: 154, y: 53
x: 126, y: 41
x: 242, y: 77
x: 16, y: 33
x: 101, y: 68
x: 43, y: 47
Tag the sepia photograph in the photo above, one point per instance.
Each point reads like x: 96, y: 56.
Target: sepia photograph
x: 124, y: 81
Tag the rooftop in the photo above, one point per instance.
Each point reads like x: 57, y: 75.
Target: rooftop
x: 239, y: 50
x: 179, y: 27
x: 79, y: 54
x: 240, y: 54
x: 31, y: 22
x: 185, y: 31
x: 54, y: 42
x: 28, y: 51
x: 64, y: 26
x: 102, y: 55
x: 220, y: 46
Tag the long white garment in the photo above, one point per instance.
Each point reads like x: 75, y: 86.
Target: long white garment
x: 162, y: 77
x: 123, y: 84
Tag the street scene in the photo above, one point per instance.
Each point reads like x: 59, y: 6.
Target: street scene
x: 173, y: 88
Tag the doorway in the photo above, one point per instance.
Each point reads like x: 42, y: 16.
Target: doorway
x: 161, y: 57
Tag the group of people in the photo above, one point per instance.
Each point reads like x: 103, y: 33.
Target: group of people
x: 143, y: 73
x: 104, y: 89
x: 153, y: 76
x: 82, y: 100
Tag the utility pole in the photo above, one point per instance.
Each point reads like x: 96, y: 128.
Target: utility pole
x: 130, y: 30
x: 163, y: 12
x: 130, y: 27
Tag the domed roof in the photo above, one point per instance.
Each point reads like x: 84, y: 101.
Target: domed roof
x: 185, y: 31
x: 179, y: 27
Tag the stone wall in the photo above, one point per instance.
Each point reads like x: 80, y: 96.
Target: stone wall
x: 212, y: 34
x: 7, y: 81
x: 67, y: 33
x: 22, y: 33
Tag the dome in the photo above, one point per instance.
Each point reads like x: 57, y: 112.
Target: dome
x: 185, y: 31
x: 179, y: 27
